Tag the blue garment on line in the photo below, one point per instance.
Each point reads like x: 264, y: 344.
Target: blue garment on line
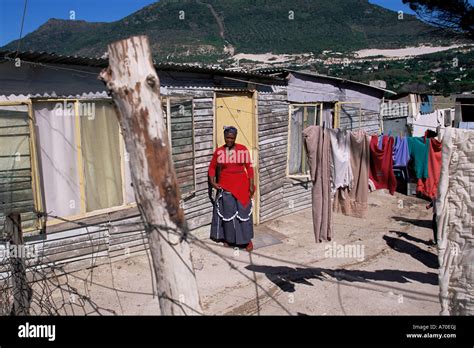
x: 401, y: 153
x: 380, y: 141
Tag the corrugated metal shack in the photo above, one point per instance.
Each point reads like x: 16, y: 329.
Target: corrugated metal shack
x: 80, y: 175
x: 414, y: 113
x: 313, y: 99
x: 78, y: 170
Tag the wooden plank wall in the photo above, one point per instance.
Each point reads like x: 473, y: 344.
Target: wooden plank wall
x: 120, y: 234
x: 198, y: 208
x: 278, y: 195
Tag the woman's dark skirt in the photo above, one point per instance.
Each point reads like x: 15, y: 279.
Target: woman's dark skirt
x: 231, y: 221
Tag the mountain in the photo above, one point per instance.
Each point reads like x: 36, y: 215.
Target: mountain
x: 209, y: 30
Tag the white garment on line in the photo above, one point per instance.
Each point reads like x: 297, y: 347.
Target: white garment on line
x: 341, y: 170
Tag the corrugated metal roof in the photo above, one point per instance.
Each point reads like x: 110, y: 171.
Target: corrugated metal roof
x: 53, y: 58
x: 314, y: 74
x: 310, y: 73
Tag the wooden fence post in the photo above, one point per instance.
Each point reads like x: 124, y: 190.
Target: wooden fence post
x: 21, y: 290
x: 135, y: 88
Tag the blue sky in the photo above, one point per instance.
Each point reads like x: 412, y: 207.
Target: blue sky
x: 39, y: 11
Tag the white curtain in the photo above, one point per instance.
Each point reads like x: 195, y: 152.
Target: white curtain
x: 296, y: 141
x: 57, y: 152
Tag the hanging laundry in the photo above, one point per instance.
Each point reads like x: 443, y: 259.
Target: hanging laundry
x: 426, y: 106
x: 454, y: 220
x: 401, y: 153
x: 401, y: 157
x: 381, y: 164
x: 419, y: 149
x: 429, y: 186
x: 318, y: 146
x: 380, y: 141
x: 414, y: 105
x: 354, y: 202
x: 341, y: 172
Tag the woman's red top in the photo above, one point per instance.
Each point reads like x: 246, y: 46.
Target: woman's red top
x: 235, y: 171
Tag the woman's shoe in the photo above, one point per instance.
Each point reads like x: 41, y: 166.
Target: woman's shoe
x: 249, y: 246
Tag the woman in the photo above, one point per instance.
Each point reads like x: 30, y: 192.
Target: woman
x: 232, y: 217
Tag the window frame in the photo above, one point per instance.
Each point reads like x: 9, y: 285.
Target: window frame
x: 81, y: 175
x: 34, y: 165
x: 318, y: 106
x: 166, y: 101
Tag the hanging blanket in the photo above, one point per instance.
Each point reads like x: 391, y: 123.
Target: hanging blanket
x: 429, y: 186
x: 381, y: 164
x: 317, y: 146
x: 341, y: 172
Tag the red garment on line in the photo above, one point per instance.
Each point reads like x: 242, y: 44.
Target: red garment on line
x: 381, y: 164
x: 429, y: 186
x: 235, y: 171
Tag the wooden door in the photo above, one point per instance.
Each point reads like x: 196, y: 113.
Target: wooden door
x: 238, y: 110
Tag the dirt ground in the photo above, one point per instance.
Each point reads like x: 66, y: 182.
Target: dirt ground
x: 381, y: 265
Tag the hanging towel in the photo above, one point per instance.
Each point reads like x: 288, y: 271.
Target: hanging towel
x: 341, y: 172
x: 318, y: 146
x: 381, y: 164
x: 354, y: 202
x: 401, y: 153
x: 419, y: 149
x: 428, y: 187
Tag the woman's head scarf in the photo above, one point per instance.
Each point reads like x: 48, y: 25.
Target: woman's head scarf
x: 230, y: 129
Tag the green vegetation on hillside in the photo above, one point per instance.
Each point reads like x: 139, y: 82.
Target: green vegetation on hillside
x: 189, y: 31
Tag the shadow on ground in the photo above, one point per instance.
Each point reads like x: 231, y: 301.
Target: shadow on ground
x: 286, y: 277
x: 411, y: 238
x: 425, y: 257
x: 414, y: 222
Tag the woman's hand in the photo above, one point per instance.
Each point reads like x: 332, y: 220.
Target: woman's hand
x: 217, y: 186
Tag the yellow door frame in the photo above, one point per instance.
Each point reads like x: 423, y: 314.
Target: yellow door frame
x: 255, y: 148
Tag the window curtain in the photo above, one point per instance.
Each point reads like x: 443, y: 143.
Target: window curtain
x: 57, y: 155
x: 101, y: 156
x: 296, y: 141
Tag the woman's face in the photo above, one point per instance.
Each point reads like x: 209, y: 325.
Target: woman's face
x: 229, y: 139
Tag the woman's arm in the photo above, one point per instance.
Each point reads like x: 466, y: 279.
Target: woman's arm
x: 250, y: 173
x: 212, y: 171
x: 212, y: 179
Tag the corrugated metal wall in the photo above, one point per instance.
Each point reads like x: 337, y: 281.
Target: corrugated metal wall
x: 278, y: 195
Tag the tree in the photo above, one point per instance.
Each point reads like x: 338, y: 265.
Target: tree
x: 454, y: 15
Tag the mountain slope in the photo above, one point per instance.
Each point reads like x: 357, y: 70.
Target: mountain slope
x: 251, y: 26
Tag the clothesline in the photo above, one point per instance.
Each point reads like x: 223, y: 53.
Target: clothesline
x: 344, y: 164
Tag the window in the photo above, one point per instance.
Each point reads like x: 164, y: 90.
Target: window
x: 81, y: 156
x: 19, y: 190
x: 83, y: 162
x: 180, y: 117
x: 301, y: 116
x: 467, y: 109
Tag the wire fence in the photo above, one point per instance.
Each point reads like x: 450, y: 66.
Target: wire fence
x: 53, y: 290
